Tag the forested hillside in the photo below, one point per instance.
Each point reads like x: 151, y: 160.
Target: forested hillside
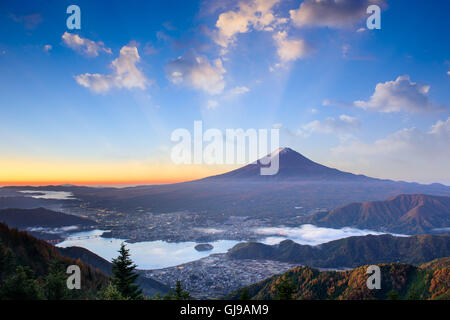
x: 398, y: 281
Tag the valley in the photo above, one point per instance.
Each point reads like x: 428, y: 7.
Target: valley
x: 252, y: 227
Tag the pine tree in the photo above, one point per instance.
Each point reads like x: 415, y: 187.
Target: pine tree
x: 124, y: 276
x: 55, y: 283
x: 285, y: 289
x: 21, y: 285
x: 181, y: 294
x: 7, y: 262
x: 413, y: 295
x: 244, y: 295
x: 178, y: 294
x: 110, y: 292
x: 393, y: 295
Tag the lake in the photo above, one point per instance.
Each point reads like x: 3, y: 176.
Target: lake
x: 147, y: 254
x: 162, y: 254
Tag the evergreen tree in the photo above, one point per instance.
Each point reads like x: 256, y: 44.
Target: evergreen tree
x: 55, y: 283
x: 413, y: 295
x: 244, y: 294
x: 178, y: 294
x: 124, y: 276
x: 110, y: 292
x: 7, y: 262
x: 285, y: 289
x: 393, y: 295
x: 181, y: 294
x: 157, y: 296
x: 21, y: 286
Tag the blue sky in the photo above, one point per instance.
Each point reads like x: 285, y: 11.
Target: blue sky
x: 107, y: 97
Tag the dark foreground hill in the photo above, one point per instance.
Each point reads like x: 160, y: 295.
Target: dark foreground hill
x: 405, y: 213
x: 350, y: 252
x: 401, y: 281
x: 40, y: 217
x: 149, y: 286
x: 18, y: 248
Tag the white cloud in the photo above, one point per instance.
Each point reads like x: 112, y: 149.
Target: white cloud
x: 84, y: 46
x: 252, y: 14
x: 196, y: 71
x: 125, y: 74
x: 340, y: 126
x: 290, y: 49
x: 410, y: 154
x: 448, y: 72
x: 212, y: 104
x: 399, y: 95
x: 238, y: 91
x: 331, y: 13
x: 47, y: 47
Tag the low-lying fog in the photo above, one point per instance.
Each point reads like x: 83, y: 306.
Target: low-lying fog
x: 54, y: 195
x: 310, y: 234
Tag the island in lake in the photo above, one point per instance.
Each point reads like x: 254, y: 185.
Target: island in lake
x: 204, y: 247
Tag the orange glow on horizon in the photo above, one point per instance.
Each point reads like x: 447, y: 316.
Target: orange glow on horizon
x: 23, y: 172
x: 90, y: 183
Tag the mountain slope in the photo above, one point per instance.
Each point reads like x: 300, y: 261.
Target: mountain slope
x: 406, y: 213
x: 39, y: 255
x: 410, y: 282
x: 349, y: 252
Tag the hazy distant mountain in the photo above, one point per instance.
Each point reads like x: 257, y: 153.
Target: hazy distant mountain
x: 405, y: 213
x: 40, y: 217
x: 349, y: 252
x: 427, y: 281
